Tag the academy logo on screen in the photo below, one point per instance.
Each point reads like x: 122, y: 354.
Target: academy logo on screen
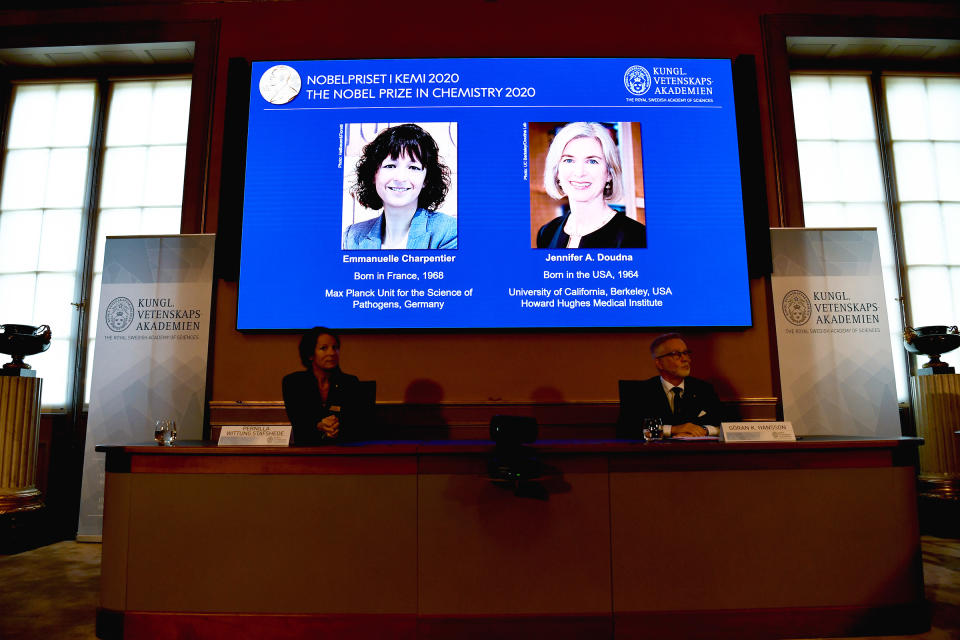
x: 673, y: 84
x: 797, y: 307
x: 119, y: 314
x: 280, y: 84
x: 637, y: 80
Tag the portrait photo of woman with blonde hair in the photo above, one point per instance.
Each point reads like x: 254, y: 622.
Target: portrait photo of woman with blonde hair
x: 583, y: 170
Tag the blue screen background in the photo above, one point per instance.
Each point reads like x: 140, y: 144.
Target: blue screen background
x: 291, y: 255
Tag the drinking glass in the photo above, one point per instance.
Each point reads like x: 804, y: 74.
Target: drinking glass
x: 652, y: 429
x: 165, y: 431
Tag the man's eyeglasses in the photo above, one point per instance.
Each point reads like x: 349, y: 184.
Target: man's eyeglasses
x: 676, y: 354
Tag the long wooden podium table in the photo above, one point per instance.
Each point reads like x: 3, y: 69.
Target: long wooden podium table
x: 614, y: 539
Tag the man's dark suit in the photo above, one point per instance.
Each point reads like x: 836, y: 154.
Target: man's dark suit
x: 641, y: 399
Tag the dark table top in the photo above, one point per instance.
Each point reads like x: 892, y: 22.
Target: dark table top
x: 572, y: 446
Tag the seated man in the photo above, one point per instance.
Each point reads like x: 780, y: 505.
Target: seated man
x: 688, y: 406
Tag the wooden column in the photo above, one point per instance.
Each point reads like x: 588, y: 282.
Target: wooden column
x: 19, y: 427
x: 937, y: 414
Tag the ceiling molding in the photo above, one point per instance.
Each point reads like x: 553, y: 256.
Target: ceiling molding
x: 127, y: 54
x: 864, y: 48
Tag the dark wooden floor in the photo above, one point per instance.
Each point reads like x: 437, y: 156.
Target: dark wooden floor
x: 51, y: 592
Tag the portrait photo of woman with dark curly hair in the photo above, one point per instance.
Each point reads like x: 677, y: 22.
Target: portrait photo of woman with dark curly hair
x: 401, y: 179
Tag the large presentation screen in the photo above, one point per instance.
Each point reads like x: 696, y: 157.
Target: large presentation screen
x: 492, y: 193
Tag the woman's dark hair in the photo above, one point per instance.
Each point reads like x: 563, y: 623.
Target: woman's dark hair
x: 416, y: 143
x: 308, y: 343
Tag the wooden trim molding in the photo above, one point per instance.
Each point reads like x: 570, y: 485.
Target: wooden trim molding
x: 749, y: 624
x: 457, y: 455
x: 214, y: 626
x: 471, y: 419
x: 744, y: 624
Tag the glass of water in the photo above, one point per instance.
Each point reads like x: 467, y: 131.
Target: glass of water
x: 165, y: 431
x: 652, y: 429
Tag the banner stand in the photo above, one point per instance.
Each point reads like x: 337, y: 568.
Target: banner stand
x: 150, y: 358
x: 836, y: 366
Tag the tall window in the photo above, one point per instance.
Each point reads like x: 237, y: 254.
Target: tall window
x: 53, y: 214
x: 884, y: 152
x: 924, y: 116
x: 41, y: 209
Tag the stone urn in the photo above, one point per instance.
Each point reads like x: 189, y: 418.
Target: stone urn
x: 932, y: 341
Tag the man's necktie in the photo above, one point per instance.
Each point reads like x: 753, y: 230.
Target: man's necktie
x: 677, y: 402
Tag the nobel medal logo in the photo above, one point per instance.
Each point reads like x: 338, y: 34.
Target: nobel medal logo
x: 280, y: 84
x: 637, y: 80
x: 797, y: 307
x: 119, y: 314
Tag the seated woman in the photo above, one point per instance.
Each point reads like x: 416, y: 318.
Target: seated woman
x: 322, y: 401
x: 583, y: 166
x: 401, y: 172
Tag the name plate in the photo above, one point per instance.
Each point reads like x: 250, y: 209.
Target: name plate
x: 255, y: 436
x: 758, y: 432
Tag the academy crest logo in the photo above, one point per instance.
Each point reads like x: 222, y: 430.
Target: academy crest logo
x: 796, y: 307
x: 637, y: 80
x: 119, y: 314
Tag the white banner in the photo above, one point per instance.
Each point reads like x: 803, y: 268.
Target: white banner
x: 150, y: 358
x: 836, y: 367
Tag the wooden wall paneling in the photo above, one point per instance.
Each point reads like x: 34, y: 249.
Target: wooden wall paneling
x: 274, y: 546
x: 730, y: 545
x: 516, y: 553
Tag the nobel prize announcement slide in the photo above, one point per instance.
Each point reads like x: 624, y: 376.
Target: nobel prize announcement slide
x: 492, y: 193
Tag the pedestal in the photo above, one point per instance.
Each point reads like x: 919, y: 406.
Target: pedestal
x: 19, y: 428
x: 937, y: 416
